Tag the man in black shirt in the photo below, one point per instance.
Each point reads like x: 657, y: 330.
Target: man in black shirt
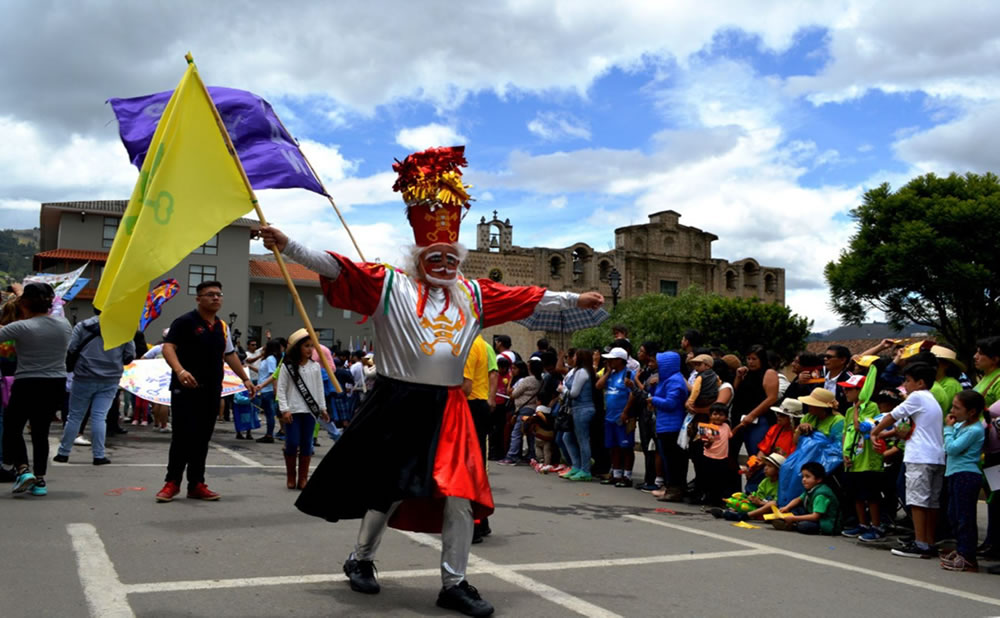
x: 194, y: 348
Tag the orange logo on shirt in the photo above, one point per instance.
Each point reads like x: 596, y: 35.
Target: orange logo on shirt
x: 443, y: 329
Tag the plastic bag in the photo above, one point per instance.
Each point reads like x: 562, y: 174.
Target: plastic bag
x: 813, y: 447
x: 683, y: 439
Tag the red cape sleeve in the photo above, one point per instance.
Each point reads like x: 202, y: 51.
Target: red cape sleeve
x: 502, y: 303
x: 358, y: 288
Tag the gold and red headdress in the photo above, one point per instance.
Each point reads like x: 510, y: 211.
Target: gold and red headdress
x: 436, y: 199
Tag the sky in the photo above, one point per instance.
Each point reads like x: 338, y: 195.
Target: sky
x: 761, y: 122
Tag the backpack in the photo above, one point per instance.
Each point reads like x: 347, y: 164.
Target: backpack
x: 73, y: 356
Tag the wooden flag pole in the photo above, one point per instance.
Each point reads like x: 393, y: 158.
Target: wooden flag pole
x: 277, y: 254
x: 325, y: 192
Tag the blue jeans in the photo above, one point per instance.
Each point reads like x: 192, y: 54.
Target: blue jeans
x: 577, y: 442
x: 753, y: 434
x: 270, y: 410
x: 299, y: 435
x: 517, y: 434
x: 963, y: 492
x: 97, y: 396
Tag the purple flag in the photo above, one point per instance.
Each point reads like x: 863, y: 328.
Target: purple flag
x: 270, y: 156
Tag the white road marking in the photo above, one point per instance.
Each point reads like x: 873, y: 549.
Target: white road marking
x: 106, y: 595
x: 554, y: 595
x: 237, y: 456
x: 251, y: 582
x: 164, y: 465
x: 899, y: 579
x: 478, y: 569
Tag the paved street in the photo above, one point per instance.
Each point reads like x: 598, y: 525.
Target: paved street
x: 98, y: 545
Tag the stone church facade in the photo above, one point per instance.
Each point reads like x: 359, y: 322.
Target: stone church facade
x: 661, y: 256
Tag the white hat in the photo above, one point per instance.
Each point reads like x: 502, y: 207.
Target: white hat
x: 789, y: 407
x: 370, y: 355
x: 509, y: 356
x: 618, y: 353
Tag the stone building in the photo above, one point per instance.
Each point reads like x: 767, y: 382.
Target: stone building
x: 75, y: 234
x: 661, y: 256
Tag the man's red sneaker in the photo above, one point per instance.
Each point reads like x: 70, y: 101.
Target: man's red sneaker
x: 168, y: 492
x: 202, y: 492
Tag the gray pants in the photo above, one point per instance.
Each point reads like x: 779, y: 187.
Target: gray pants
x: 456, y: 538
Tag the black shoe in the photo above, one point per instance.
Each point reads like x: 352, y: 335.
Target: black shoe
x: 61, y: 459
x: 608, y: 481
x: 265, y: 440
x: 716, y: 512
x: 464, y: 598
x: 477, y: 539
x: 103, y: 461
x: 623, y: 482
x: 315, y: 442
x: 362, y: 576
x: 239, y: 436
x: 117, y: 431
x: 911, y: 550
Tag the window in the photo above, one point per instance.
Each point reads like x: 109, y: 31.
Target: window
x: 110, y: 229
x: 258, y: 301
x: 289, y: 304
x: 555, y: 266
x: 198, y: 273
x: 770, y: 284
x: 347, y: 314
x: 668, y: 287
x: 730, y: 280
x: 325, y: 336
x: 320, y: 301
x: 211, y: 247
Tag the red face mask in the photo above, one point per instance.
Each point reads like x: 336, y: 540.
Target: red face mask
x: 440, y: 265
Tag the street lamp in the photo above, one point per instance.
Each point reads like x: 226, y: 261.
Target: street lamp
x: 233, y: 331
x: 615, y: 281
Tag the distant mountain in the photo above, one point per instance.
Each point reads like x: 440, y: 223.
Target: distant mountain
x: 870, y: 330
x: 17, y: 248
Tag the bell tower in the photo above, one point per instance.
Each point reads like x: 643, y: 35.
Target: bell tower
x: 494, y: 236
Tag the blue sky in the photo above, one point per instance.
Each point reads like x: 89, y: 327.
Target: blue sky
x: 763, y: 123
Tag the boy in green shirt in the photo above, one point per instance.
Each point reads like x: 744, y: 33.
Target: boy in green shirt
x: 863, y: 464
x: 763, y: 498
x: 818, y: 505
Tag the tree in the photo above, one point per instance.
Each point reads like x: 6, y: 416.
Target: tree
x: 925, y: 254
x: 733, y: 324
x: 737, y: 324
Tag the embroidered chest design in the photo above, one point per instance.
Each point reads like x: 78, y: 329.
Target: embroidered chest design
x: 442, y: 218
x: 444, y: 330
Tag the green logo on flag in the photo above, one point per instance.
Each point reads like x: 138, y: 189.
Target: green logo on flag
x: 163, y: 205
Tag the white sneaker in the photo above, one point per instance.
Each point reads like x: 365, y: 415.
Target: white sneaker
x: 81, y: 441
x: 165, y: 429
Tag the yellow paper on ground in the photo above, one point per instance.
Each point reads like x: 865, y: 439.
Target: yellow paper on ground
x: 188, y: 190
x: 743, y: 524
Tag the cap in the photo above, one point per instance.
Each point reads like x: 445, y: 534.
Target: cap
x: 732, y: 361
x: 618, y: 353
x: 855, y: 381
x: 705, y: 359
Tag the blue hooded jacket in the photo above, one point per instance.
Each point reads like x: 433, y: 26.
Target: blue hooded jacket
x: 670, y: 394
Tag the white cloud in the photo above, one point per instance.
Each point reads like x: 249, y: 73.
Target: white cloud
x: 966, y: 144
x: 429, y: 136
x: 559, y: 202
x: 899, y: 46
x: 866, y: 148
x: 558, y: 125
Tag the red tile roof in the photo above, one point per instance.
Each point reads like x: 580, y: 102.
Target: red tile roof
x: 74, y: 254
x: 269, y: 270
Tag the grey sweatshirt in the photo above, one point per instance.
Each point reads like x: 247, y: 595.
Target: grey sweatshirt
x: 95, y: 363
x: 41, y: 344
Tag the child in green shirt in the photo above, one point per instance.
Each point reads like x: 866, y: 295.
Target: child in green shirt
x: 863, y: 464
x: 817, y: 510
x: 765, y: 496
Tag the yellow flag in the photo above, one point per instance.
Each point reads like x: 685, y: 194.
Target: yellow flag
x: 189, y: 188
